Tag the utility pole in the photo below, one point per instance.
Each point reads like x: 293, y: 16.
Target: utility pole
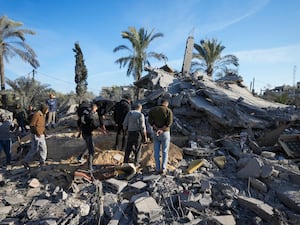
x: 33, y: 74
x: 294, y: 82
x: 253, y: 91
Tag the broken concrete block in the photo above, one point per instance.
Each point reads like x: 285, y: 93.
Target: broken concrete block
x: 263, y: 210
x: 225, y: 219
x: 4, y: 210
x: 291, y: 198
x: 140, y: 195
x: 205, y: 186
x: 259, y: 185
x: 14, y: 200
x: 84, y: 209
x: 266, y: 171
x: 115, y: 185
x: 34, y: 183
x: 206, y: 200
x: 220, y: 161
x: 119, y: 213
x: 146, y: 209
x: 268, y: 154
x: 41, y: 202
x: 138, y: 185
x: 118, y: 157
x: 251, y: 169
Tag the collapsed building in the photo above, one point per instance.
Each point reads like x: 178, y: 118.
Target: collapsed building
x: 238, y: 164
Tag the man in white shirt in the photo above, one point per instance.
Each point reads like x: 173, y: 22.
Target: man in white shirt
x: 134, y: 124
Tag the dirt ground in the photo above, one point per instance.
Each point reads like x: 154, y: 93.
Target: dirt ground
x: 64, y: 146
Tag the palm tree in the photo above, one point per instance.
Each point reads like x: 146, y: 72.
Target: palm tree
x: 211, y: 61
x: 12, y: 42
x: 138, y: 57
x: 29, y: 91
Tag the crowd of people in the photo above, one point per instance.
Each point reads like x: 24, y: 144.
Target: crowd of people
x: 133, y: 126
x: 28, y: 121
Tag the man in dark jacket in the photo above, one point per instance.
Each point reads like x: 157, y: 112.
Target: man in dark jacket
x: 87, y: 124
x: 121, y: 109
x: 161, y: 119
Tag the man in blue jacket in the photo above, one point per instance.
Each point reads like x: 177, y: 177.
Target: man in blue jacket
x: 52, y: 105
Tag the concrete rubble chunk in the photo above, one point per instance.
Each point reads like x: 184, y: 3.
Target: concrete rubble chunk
x: 266, y: 171
x: 14, y: 200
x: 251, y: 169
x: 259, y: 185
x: 146, y: 209
x: 263, y: 210
x: 119, y: 213
x: 225, y: 219
x: 290, y: 198
x: 268, y: 154
x: 84, y: 209
x: 4, y: 210
x: 138, y: 185
x: 34, y: 183
x: 140, y: 195
x: 41, y: 202
x: 115, y: 185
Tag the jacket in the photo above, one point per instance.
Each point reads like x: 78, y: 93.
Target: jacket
x: 37, y: 123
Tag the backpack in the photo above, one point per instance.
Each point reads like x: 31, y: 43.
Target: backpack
x: 120, y: 110
x: 83, y: 112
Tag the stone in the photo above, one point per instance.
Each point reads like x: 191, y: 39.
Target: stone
x: 290, y: 198
x: 115, y: 185
x: 263, y: 210
x: 251, y: 169
x: 4, y: 210
x: 140, y: 195
x: 259, y: 185
x: 266, y: 171
x: 34, y: 183
x: 138, y: 185
x: 225, y: 219
x: 84, y: 209
x: 268, y: 154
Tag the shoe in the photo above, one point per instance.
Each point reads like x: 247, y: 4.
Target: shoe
x: 163, y: 172
x: 26, y: 165
x: 8, y: 167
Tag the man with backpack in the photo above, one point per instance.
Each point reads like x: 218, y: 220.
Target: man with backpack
x: 88, y: 121
x: 121, y: 109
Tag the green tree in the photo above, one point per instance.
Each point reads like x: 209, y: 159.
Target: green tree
x: 28, y: 91
x: 138, y: 56
x: 81, y: 73
x: 208, y: 58
x: 12, y: 42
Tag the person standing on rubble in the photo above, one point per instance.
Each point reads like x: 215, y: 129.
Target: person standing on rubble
x: 88, y: 122
x: 6, y: 126
x: 38, y: 137
x: 134, y: 125
x: 120, y: 110
x: 52, y: 105
x: 161, y: 119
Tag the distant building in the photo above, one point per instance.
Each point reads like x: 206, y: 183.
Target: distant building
x: 298, y: 85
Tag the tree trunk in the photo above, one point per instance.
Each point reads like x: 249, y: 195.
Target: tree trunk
x: 2, y: 80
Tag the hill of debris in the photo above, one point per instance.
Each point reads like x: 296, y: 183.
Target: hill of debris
x: 234, y: 159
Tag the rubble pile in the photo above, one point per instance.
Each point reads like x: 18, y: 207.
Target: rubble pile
x: 237, y: 163
x: 220, y: 188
